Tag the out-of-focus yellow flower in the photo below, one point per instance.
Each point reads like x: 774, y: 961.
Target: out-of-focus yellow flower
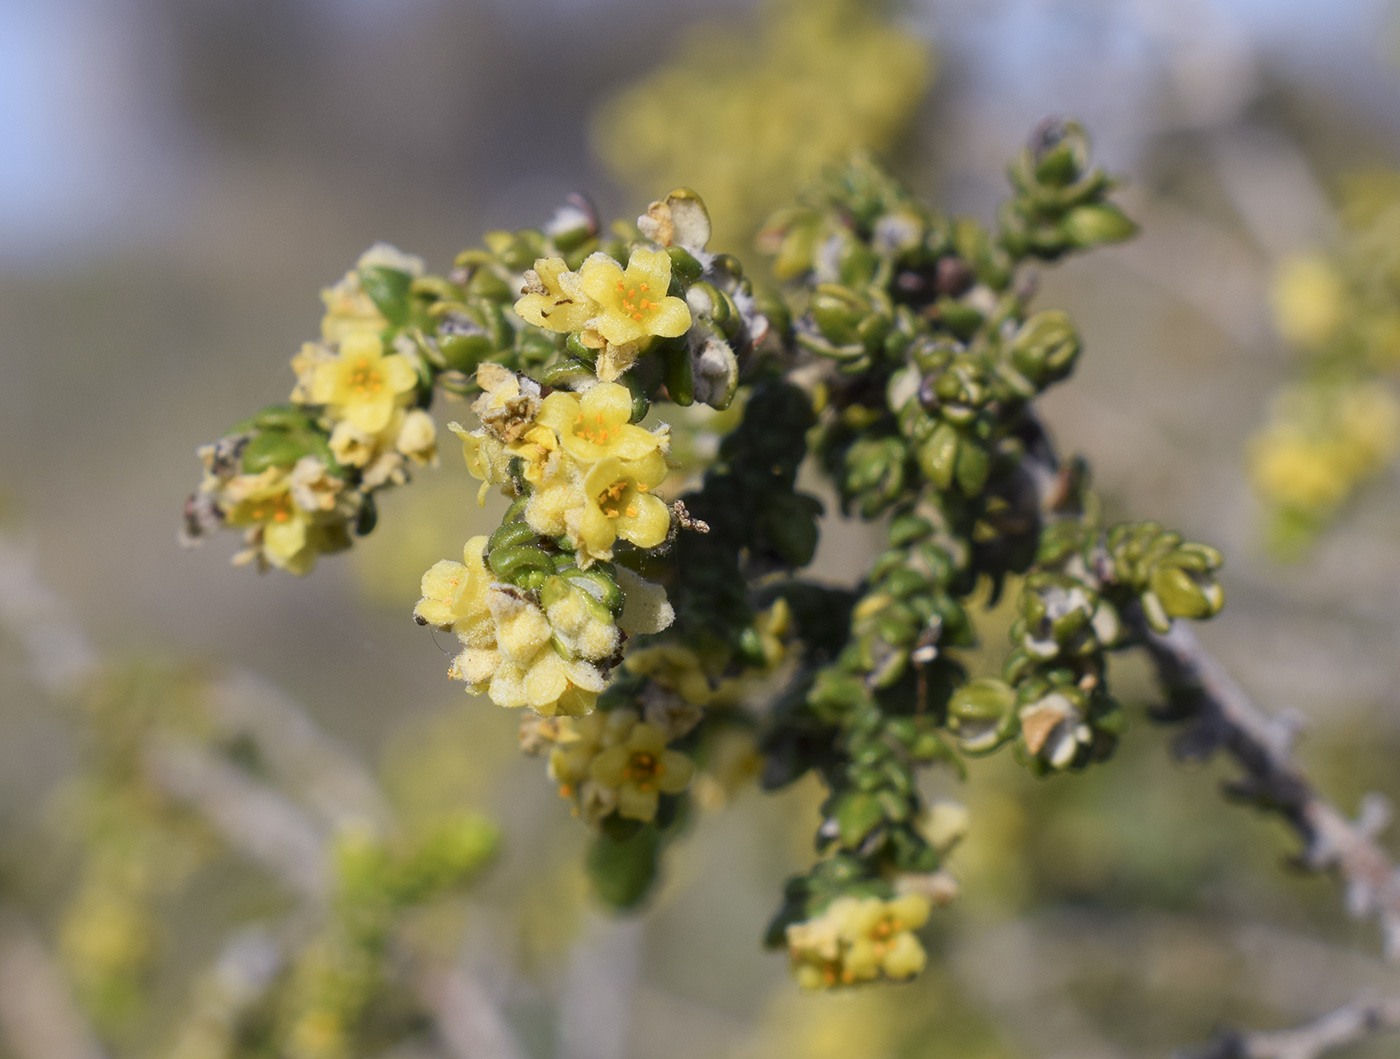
x: 1309, y: 300
x: 859, y: 939
x: 1294, y: 471
x: 349, y: 310
x: 674, y: 667
x: 598, y: 424
x: 362, y: 385
x: 617, y: 502
x: 555, y: 299
x: 633, y: 305
x: 580, y: 740
x: 1368, y: 417
x: 265, y: 500
x: 640, y: 770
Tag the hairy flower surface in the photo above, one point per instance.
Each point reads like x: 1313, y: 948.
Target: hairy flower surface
x: 554, y: 298
x: 362, y: 385
x: 640, y: 770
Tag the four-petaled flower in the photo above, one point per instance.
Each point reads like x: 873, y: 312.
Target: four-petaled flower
x: 641, y: 770
x: 362, y: 385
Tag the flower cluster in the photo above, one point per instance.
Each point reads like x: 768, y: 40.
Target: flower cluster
x: 299, y: 478
x: 1336, y: 427
x: 609, y: 761
x: 615, y: 312
x: 655, y: 642
x: 588, y: 470
x: 859, y: 939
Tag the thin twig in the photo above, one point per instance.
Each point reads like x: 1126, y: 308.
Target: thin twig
x: 1354, y: 1022
x: 1223, y: 717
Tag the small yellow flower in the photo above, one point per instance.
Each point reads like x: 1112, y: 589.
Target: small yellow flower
x: 1309, y: 301
x: 583, y: 740
x: 454, y: 594
x: 640, y: 770
x: 618, y: 503
x: 555, y: 300
x: 349, y: 310
x: 633, y: 304
x: 858, y: 940
x: 362, y: 385
x: 598, y: 424
x: 674, y: 667
x: 1295, y: 471
x: 265, y: 501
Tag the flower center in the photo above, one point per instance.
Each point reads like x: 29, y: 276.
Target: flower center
x: 596, y: 432
x: 642, y: 769
x: 611, y: 503
x: 278, y: 509
x: 364, y: 379
x: 634, y: 300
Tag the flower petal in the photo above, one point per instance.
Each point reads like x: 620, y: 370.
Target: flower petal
x: 599, y: 277
x: 649, y: 526
x: 618, y: 328
x: 610, y: 767
x: 559, y: 411
x: 637, y: 804
x: 609, y: 400
x: 675, y: 773
x: 399, y: 376
x: 669, y: 319
x: 652, y: 267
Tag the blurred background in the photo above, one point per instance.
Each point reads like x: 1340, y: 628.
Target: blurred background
x: 178, y: 178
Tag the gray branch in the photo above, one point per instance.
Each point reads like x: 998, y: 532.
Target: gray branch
x: 1356, y: 1021
x: 1223, y: 717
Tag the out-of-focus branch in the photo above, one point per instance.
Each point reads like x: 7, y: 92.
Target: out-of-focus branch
x: 60, y: 655
x: 38, y: 1017
x: 1356, y: 1021
x: 1222, y: 716
x: 305, y: 760
x: 250, y: 817
x: 469, y: 1023
x: 238, y: 979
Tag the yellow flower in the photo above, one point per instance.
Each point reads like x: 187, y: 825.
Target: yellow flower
x: 640, y: 770
x: 617, y: 502
x: 264, y: 502
x: 673, y: 667
x: 454, y: 594
x: 362, y: 385
x: 634, y: 304
x: 555, y: 300
x: 1296, y: 471
x: 1309, y: 301
x: 598, y: 424
x: 581, y: 741
x: 349, y: 310
x: 530, y: 671
x: 859, y: 939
